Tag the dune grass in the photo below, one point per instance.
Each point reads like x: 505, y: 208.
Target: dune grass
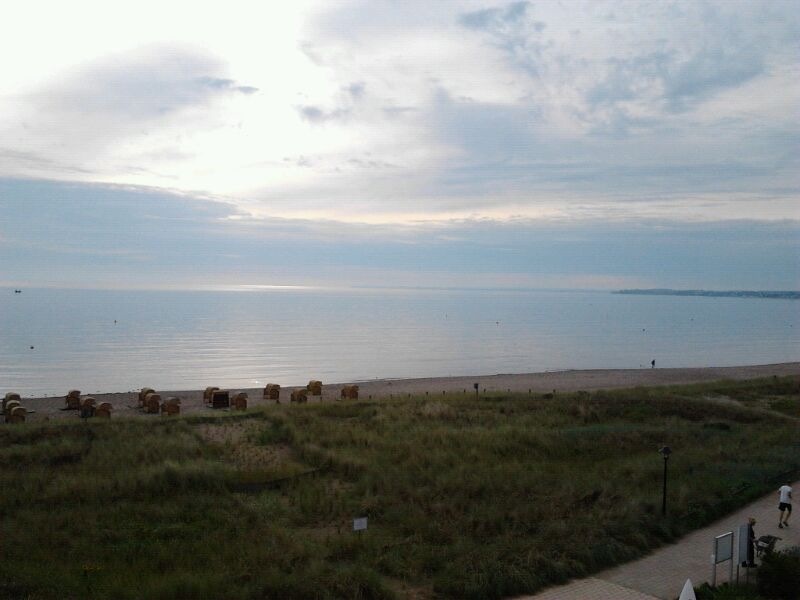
x: 466, y: 497
x: 776, y: 394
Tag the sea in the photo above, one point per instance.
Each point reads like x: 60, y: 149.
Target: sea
x: 53, y: 340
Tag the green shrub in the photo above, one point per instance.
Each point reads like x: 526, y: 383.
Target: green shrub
x: 275, y: 433
x: 727, y: 591
x: 779, y: 575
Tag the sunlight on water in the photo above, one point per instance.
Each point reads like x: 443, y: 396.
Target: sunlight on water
x: 188, y: 340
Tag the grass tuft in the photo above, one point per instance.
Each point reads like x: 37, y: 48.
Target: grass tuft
x: 466, y: 497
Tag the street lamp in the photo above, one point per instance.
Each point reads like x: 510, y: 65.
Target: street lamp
x: 664, y: 452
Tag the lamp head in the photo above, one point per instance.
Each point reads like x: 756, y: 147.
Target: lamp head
x: 665, y: 452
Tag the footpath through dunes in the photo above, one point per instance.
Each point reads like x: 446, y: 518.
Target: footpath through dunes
x: 661, y: 575
x: 125, y: 403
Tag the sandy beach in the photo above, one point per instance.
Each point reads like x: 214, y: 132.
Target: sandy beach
x: 125, y: 403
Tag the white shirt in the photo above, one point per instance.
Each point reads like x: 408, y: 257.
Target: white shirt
x: 786, y: 494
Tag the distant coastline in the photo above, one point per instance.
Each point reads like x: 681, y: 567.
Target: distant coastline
x: 781, y: 295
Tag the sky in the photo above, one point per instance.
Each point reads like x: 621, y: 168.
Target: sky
x: 459, y: 143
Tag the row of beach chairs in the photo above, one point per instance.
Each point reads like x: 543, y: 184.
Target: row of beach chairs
x: 272, y: 391
x: 151, y: 402
x: 217, y: 398
x: 88, y: 406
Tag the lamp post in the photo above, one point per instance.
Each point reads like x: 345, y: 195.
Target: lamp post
x: 664, y: 452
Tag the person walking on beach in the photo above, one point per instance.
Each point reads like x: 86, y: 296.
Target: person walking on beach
x: 785, y: 505
x: 653, y: 364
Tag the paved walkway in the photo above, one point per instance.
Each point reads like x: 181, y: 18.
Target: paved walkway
x: 661, y: 575
x: 591, y: 589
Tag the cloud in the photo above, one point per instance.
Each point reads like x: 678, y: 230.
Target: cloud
x: 710, y: 70
x: 227, y: 85
x: 515, y: 30
x: 58, y: 233
x: 346, y: 101
x: 487, y: 131
x: 21, y: 162
x: 637, y: 68
x: 497, y: 17
x: 315, y: 114
x: 356, y: 90
x: 147, y: 84
x: 677, y: 82
x: 379, y: 110
x: 592, y: 102
x: 93, y: 109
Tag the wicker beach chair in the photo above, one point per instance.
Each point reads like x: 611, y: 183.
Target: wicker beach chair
x: 171, y: 406
x: 314, y: 387
x: 17, y: 415
x: 220, y: 399
x: 10, y: 407
x: 72, y: 400
x: 152, y: 403
x: 10, y: 396
x: 299, y: 395
x: 209, y: 393
x: 239, y: 401
x: 143, y: 394
x: 272, y: 391
x: 350, y: 392
x: 88, y: 406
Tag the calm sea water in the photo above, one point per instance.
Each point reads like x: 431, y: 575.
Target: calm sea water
x: 188, y: 340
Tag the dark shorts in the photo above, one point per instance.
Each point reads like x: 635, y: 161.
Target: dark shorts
x: 784, y: 506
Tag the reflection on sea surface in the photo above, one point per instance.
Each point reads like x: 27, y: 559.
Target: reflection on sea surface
x: 187, y: 340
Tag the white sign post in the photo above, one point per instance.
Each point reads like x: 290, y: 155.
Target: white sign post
x: 723, y: 550
x: 360, y: 524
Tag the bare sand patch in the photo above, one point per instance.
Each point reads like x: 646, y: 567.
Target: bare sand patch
x: 237, y: 437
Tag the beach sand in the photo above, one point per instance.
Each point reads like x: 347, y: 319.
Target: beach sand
x: 125, y: 403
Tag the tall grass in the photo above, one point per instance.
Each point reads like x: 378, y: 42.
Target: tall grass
x: 466, y: 497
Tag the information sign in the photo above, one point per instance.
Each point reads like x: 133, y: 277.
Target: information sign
x: 723, y: 547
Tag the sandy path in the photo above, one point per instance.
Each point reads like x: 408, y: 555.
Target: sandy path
x: 564, y: 381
